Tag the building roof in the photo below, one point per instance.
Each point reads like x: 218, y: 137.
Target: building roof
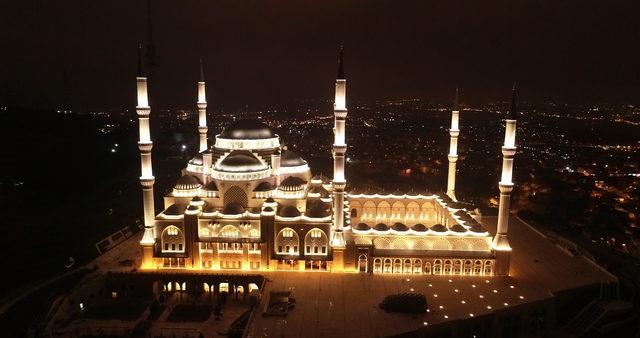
x: 175, y: 209
x: 233, y: 208
x: 240, y: 161
x: 399, y: 227
x: 381, y: 227
x: 247, y: 129
x: 288, y: 211
x: 293, y: 181
x: 187, y: 182
x: 264, y: 186
x: 289, y: 158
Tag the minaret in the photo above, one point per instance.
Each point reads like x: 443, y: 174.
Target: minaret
x: 339, y: 150
x: 453, y: 149
x: 500, y: 242
x: 146, y: 179
x: 202, y: 111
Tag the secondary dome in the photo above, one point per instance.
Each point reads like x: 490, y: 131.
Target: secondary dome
x: 240, y: 161
x: 247, y: 129
x: 187, y: 182
x: 289, y: 158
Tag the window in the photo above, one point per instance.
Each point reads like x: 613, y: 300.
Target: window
x: 315, y: 249
x: 279, y: 248
x: 308, y: 248
x: 324, y: 249
x: 166, y: 246
x: 172, y: 231
x: 295, y: 248
x: 254, y: 233
x: 287, y: 233
x: 354, y: 213
x: 229, y: 231
x: 179, y: 247
x: 288, y: 247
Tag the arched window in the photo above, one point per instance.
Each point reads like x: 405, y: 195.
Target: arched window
x: 172, y: 239
x: 205, y: 232
x: 397, y: 265
x: 407, y: 266
x: 397, y: 212
x: 369, y: 212
x: 377, y: 265
x: 254, y: 233
x: 457, y: 267
x: 387, y: 266
x: 468, y: 267
x: 417, y: 266
x: 488, y: 268
x: 287, y: 242
x: 315, y: 242
x: 384, y: 212
x: 447, y: 267
x: 354, y: 213
x: 229, y: 231
x: 477, y: 267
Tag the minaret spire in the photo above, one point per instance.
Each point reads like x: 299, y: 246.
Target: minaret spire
x: 146, y: 178
x: 453, y: 148
x: 500, y: 242
x: 341, y: 63
x: 202, y: 110
x: 339, y: 151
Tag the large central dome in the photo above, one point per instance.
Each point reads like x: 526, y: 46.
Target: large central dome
x: 247, y: 129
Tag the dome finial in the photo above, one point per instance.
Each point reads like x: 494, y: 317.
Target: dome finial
x: 341, y: 62
x: 513, y: 114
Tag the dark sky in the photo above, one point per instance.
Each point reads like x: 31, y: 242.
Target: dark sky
x: 274, y: 52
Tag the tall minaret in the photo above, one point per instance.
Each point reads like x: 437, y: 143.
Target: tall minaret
x: 453, y: 149
x: 339, y: 150
x: 202, y: 111
x: 500, y: 242
x: 146, y: 179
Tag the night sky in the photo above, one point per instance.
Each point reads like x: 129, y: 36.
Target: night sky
x: 281, y: 52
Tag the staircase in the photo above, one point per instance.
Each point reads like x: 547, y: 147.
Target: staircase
x: 586, y: 319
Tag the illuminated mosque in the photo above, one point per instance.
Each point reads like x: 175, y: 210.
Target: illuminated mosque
x: 245, y: 202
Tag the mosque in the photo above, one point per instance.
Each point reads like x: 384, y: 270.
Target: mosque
x: 247, y: 203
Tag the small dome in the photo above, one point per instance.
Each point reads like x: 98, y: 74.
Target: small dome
x: 196, y: 160
x: 319, y: 190
x: 196, y: 199
x: 175, y: 210
x: 264, y: 186
x: 381, y: 227
x: 289, y: 211
x: 187, y: 182
x: 211, y: 186
x: 412, y: 193
x: 233, y: 208
x: 419, y: 228
x: 458, y: 228
x: 247, y: 129
x: 292, y: 181
x: 240, y: 161
x: 445, y: 198
x: 289, y: 158
x: 270, y: 200
x: 192, y: 208
x: 268, y: 209
x: 317, y: 212
x: 362, y: 227
x: 208, y: 208
x: 438, y: 228
x: 399, y: 227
